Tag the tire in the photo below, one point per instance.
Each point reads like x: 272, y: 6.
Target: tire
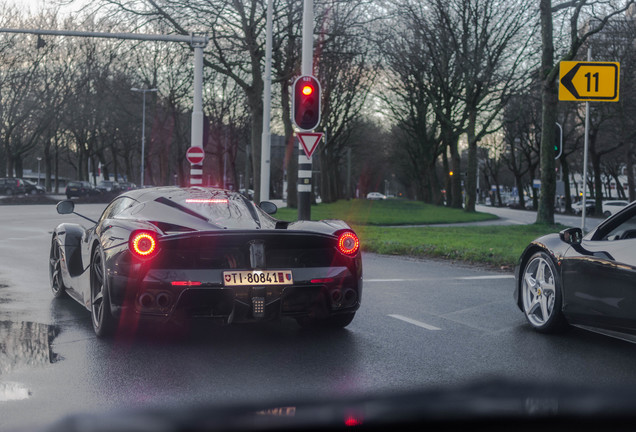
x: 55, y: 270
x: 607, y: 214
x: 68, y: 197
x: 541, y: 294
x: 104, y: 323
x: 332, y: 322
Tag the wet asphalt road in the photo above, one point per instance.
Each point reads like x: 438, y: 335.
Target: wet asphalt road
x: 423, y: 324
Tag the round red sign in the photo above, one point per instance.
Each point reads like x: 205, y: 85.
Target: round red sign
x: 195, y: 155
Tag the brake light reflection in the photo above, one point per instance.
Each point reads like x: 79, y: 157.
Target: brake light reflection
x: 206, y: 201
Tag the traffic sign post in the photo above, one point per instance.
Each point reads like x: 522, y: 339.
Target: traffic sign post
x: 195, y: 156
x: 309, y: 141
x: 589, y: 81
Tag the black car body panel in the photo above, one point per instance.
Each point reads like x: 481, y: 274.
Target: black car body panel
x: 204, y: 236
x: 598, y: 276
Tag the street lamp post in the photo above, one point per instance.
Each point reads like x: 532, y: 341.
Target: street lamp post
x: 39, y: 159
x: 143, y: 127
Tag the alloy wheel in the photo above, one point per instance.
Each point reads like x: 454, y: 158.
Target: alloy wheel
x: 539, y: 291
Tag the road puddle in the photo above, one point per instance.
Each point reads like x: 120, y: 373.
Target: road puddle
x: 24, y: 345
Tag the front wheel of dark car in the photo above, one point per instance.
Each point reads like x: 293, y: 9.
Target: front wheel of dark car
x: 332, y: 322
x: 104, y: 323
x: 541, y: 294
x: 55, y: 269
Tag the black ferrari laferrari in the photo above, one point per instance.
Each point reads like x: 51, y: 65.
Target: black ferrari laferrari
x: 170, y: 254
x: 589, y: 282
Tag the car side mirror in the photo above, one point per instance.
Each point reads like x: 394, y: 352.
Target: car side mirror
x: 65, y: 207
x: 268, y: 207
x: 572, y: 236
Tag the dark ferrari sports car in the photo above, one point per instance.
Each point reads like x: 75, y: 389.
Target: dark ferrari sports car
x: 171, y: 254
x: 588, y: 282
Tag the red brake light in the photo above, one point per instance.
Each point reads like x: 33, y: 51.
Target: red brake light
x: 143, y: 244
x: 185, y: 283
x: 206, y: 201
x: 348, y: 243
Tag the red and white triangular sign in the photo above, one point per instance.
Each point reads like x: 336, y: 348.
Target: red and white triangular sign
x: 309, y: 141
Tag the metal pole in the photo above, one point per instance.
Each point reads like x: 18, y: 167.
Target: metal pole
x: 304, y: 163
x: 197, y: 42
x: 143, y: 138
x: 267, y: 101
x: 585, y: 147
x: 196, y: 137
x: 143, y: 130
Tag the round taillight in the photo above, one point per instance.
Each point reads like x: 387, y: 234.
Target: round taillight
x: 348, y: 243
x: 143, y: 243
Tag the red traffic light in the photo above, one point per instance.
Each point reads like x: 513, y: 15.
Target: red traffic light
x: 306, y: 103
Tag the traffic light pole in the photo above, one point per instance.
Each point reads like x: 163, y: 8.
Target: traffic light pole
x: 197, y: 42
x: 304, y: 163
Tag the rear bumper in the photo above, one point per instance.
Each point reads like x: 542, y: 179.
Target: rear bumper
x: 317, y: 292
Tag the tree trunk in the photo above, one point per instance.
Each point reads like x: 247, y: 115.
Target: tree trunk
x: 456, y: 178
x: 545, y: 213
x: 471, y: 169
x: 566, y: 184
x: 629, y: 166
x: 447, y: 178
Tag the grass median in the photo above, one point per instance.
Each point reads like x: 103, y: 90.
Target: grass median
x: 381, y: 228
x: 386, y: 212
x: 495, y: 245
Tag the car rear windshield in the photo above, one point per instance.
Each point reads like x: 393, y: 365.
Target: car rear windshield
x: 222, y: 210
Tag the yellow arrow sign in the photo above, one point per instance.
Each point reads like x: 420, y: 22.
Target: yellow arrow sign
x: 589, y: 81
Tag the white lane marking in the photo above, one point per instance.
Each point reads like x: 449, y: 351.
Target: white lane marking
x: 486, y: 277
x: 392, y: 280
x: 415, y: 322
x: 458, y: 278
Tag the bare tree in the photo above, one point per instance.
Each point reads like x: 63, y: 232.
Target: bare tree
x: 574, y: 12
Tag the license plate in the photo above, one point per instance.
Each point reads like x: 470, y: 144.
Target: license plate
x: 257, y: 277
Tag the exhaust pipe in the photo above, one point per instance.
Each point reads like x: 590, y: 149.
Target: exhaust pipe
x: 163, y: 300
x: 336, y: 296
x: 350, y: 297
x: 146, y: 300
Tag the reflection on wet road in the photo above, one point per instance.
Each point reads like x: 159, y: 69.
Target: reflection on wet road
x: 23, y: 344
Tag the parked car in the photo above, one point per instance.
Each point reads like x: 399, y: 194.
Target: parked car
x: 376, y: 196
x: 589, y: 207
x: 170, y: 253
x: 126, y: 186
x: 108, y: 186
x: 12, y: 186
x: 565, y: 278
x: 33, y: 188
x: 613, y: 206
x: 79, y: 189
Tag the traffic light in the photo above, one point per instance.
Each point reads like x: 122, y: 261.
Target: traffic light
x: 306, y: 103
